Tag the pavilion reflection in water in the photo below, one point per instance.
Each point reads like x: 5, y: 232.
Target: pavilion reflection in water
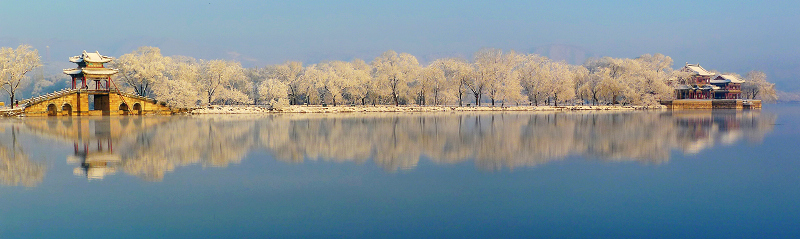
x: 149, y: 147
x: 97, y: 162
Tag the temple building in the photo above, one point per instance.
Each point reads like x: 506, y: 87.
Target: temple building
x: 704, y: 84
x: 727, y: 87
x: 91, y: 67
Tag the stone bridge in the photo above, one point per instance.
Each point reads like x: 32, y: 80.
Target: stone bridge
x: 76, y: 102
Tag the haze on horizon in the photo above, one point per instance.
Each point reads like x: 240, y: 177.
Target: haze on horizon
x: 727, y: 36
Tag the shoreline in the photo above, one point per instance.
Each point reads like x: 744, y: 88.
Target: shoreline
x: 318, y: 109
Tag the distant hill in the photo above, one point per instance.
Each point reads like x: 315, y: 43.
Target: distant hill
x: 788, y: 97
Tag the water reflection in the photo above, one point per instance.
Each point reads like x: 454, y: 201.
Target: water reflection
x: 16, y: 169
x: 149, y: 147
x: 95, y: 163
x: 505, y: 140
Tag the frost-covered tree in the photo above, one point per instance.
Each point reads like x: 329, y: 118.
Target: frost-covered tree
x: 14, y: 64
x: 642, y: 81
x: 589, y: 89
x: 611, y: 89
x: 254, y: 76
x: 429, y: 86
x: 141, y: 69
x: 357, y: 80
x: 275, y: 92
x: 756, y: 86
x: 49, y: 84
x: 534, y: 74
x: 651, y: 77
x: 309, y: 84
x: 335, y: 79
x: 221, y: 81
x: 510, y: 90
x: 580, y: 76
x: 290, y: 73
x: 179, y: 88
x: 457, y: 72
x: 494, y: 71
x: 442, y: 89
x: 396, y: 71
x: 561, y: 82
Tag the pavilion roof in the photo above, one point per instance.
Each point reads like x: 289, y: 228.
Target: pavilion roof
x: 91, y: 71
x: 91, y: 57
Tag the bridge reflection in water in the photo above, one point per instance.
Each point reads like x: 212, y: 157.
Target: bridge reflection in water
x: 149, y: 147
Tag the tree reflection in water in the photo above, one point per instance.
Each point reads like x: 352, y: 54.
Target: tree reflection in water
x: 16, y: 169
x: 149, y: 147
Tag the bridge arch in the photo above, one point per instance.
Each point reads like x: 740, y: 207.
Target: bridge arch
x: 137, y: 109
x: 67, y: 108
x: 124, y: 108
x: 52, y: 110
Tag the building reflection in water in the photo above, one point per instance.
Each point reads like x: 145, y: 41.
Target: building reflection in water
x: 95, y: 162
x: 149, y: 147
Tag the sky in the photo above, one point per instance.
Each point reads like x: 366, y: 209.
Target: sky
x: 727, y: 36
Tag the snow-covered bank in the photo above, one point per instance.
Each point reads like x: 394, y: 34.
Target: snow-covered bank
x: 384, y: 108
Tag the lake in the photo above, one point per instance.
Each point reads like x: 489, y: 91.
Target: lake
x: 651, y: 174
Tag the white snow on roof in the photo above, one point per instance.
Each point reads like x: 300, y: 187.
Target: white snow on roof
x: 729, y: 78
x: 99, y: 71
x: 76, y: 59
x: 72, y: 71
x: 719, y: 80
x: 697, y: 69
x: 713, y: 87
x: 90, y: 57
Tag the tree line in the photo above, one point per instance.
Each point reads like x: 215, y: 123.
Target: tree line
x: 491, y: 77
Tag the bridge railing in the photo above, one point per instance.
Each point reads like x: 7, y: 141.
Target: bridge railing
x: 48, y: 96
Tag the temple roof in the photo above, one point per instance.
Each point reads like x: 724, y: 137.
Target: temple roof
x: 712, y: 87
x: 697, y: 69
x: 91, y: 57
x: 727, y: 79
x: 99, y: 71
x: 72, y: 71
x: 91, y: 71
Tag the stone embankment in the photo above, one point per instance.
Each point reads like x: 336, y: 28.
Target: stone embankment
x: 356, y: 109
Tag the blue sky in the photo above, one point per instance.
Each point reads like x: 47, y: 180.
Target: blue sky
x: 729, y: 36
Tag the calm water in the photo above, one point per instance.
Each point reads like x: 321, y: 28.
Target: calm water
x: 689, y: 174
